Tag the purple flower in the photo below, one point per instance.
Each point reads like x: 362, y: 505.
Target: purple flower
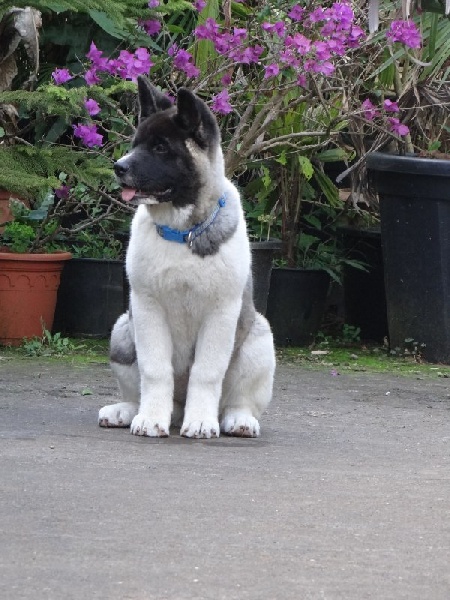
x: 191, y: 70
x: 182, y: 61
x: 271, y: 70
x: 151, y: 26
x: 288, y: 58
x: 62, y: 192
x: 299, y: 42
x: 181, y: 58
x: 199, y: 5
x: 221, y: 103
x: 61, y: 76
x: 239, y: 34
x: 208, y: 31
x: 92, y: 107
x: 99, y: 63
x: 226, y: 79
x: 302, y: 81
x: 129, y: 66
x: 323, y: 67
x: 153, y: 3
x: 296, y: 12
x: 88, y: 134
x: 247, y: 55
x: 316, y: 15
x: 278, y: 28
x: 91, y: 77
x: 405, y: 32
x: 336, y: 45
x: 94, y: 54
x: 390, y: 106
x: 369, y: 110
x: 354, y: 36
x: 322, y: 50
x: 342, y: 14
x: 398, y: 127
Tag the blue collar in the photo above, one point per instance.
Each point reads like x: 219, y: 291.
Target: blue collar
x: 188, y: 235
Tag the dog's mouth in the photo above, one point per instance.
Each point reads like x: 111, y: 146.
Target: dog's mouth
x: 134, y: 196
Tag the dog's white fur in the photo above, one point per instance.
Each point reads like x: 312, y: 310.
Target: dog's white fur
x: 185, y: 311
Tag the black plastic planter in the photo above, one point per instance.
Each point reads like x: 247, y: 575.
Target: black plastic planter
x: 364, y: 291
x: 262, y: 260
x: 296, y: 305
x: 92, y: 294
x: 415, y: 231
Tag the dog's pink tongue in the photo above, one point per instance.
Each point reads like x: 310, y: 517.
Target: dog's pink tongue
x: 128, y: 194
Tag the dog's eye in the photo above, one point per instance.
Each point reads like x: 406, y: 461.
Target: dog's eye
x: 160, y: 148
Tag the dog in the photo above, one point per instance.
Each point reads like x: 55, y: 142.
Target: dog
x: 191, y: 351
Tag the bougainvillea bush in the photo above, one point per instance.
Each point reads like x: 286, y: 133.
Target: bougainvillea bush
x: 277, y: 75
x: 286, y: 80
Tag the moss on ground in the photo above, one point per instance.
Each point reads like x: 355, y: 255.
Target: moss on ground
x: 336, y: 357
x: 361, y: 358
x: 58, y: 348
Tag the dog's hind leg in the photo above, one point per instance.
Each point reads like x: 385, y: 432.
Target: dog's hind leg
x: 124, y: 365
x: 247, y: 388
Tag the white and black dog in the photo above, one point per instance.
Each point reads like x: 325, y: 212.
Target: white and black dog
x: 192, y: 350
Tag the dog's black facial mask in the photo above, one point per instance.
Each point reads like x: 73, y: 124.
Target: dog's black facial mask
x: 167, y: 159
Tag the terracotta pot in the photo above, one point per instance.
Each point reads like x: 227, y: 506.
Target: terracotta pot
x: 5, y: 211
x: 28, y: 288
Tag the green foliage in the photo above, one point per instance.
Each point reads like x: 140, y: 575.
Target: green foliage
x: 31, y: 225
x: 350, y: 335
x: 90, y: 245
x: 18, y: 236
x: 48, y: 345
x: 30, y: 170
x: 117, y: 10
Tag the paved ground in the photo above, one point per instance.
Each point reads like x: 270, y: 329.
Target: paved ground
x: 345, y: 496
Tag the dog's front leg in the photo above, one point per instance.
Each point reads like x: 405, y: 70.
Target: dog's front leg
x: 212, y: 357
x: 154, y: 356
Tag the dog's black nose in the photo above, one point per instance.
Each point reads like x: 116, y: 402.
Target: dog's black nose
x: 120, y: 168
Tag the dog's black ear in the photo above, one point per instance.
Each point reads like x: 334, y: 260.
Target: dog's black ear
x: 151, y: 100
x: 194, y: 116
x: 190, y: 110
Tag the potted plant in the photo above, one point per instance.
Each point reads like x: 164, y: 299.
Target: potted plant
x: 31, y: 262
x: 299, y: 290
x: 412, y: 175
x: 93, y: 291
x: 48, y: 151
x: 41, y: 236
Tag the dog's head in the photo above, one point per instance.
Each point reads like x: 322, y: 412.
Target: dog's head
x: 171, y: 151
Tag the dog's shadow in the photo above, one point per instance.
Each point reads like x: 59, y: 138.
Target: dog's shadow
x: 227, y: 441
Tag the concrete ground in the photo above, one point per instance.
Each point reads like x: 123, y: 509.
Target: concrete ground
x: 346, y: 495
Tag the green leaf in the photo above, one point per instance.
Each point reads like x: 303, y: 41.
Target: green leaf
x: 86, y: 392
x: 314, y: 221
x: 332, y: 155
x: 282, y: 159
x: 266, y: 179
x: 306, y: 167
x: 106, y: 24
x: 328, y: 188
x: 55, y: 7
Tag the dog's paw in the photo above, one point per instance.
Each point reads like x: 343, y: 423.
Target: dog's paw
x: 142, y: 425
x: 201, y: 429
x: 117, y: 415
x: 240, y: 425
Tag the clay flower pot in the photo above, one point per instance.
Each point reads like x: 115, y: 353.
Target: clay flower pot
x: 28, y: 288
